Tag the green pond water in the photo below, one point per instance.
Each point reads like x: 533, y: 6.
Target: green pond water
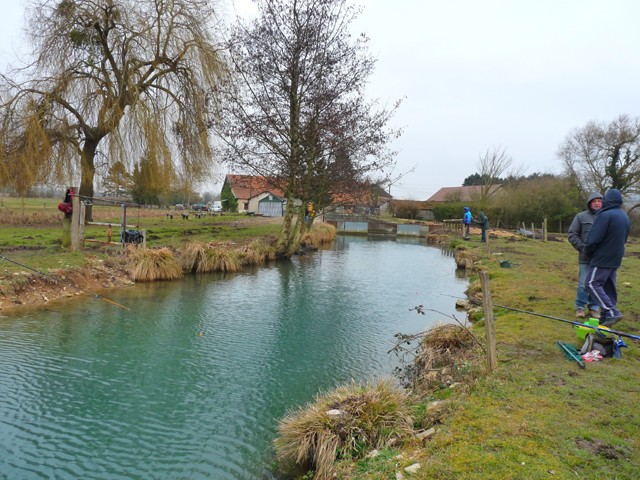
x: 190, y: 383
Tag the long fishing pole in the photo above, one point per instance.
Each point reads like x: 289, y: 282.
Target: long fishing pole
x: 605, y: 330
x: 28, y: 268
x: 551, y: 317
x: 57, y: 281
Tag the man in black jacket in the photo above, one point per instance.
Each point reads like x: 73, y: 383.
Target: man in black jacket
x: 578, y: 232
x: 605, y: 249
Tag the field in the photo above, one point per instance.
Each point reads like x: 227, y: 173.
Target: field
x: 31, y: 231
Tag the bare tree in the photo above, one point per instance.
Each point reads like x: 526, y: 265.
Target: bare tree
x: 110, y: 81
x: 604, y: 155
x: 492, y: 165
x: 300, y: 116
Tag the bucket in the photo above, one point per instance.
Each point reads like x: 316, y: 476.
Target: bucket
x: 582, y: 332
x: 506, y: 264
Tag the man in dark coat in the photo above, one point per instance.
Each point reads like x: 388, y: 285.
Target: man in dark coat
x: 483, y: 221
x: 578, y: 232
x: 605, y: 249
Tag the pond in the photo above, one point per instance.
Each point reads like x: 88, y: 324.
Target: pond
x: 190, y: 383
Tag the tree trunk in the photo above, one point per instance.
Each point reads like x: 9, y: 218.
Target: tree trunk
x: 294, y: 239
x: 88, y: 170
x: 282, y: 246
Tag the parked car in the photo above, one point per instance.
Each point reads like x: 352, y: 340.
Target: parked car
x: 179, y: 206
x: 215, y: 208
x: 199, y: 207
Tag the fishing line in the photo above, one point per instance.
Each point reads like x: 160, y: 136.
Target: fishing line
x: 551, y: 317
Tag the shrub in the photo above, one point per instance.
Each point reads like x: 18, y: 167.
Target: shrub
x: 258, y: 252
x: 150, y: 265
x: 220, y: 259
x: 191, y: 256
x: 344, y: 423
x: 319, y: 234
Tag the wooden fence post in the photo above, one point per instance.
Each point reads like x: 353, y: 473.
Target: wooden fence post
x: 492, y: 357
x: 77, y: 223
x: 66, y: 232
x: 544, y: 230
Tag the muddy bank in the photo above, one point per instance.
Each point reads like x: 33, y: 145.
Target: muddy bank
x: 29, y: 289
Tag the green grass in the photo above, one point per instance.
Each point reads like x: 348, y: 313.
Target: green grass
x: 31, y: 232
x: 538, y: 415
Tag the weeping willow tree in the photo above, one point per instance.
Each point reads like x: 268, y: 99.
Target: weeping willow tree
x: 110, y: 81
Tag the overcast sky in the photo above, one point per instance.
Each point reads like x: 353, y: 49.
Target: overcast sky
x: 478, y: 74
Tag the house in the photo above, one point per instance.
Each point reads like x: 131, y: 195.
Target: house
x: 363, y: 199
x: 471, y: 193
x: 256, y: 194
x: 262, y: 195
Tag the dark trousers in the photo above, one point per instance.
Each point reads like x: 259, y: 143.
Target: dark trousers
x: 601, y: 285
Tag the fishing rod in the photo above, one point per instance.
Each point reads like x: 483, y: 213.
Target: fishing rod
x: 551, y: 317
x: 57, y: 281
x: 28, y: 268
x: 604, y: 330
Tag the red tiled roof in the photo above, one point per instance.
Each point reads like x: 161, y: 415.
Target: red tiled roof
x: 362, y: 196
x: 463, y: 194
x: 248, y: 186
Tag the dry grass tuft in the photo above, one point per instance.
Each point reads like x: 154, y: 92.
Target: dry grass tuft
x: 464, y: 258
x: 225, y: 256
x: 151, y: 265
x: 191, y: 256
x: 344, y: 423
x: 220, y: 259
x: 258, y: 252
x: 447, y: 353
x: 319, y: 234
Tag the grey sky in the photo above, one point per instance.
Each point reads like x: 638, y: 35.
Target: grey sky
x: 477, y: 74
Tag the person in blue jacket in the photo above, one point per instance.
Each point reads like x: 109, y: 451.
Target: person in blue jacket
x: 467, y: 220
x: 605, y: 248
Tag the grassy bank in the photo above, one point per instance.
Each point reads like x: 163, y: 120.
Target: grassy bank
x: 538, y: 415
x: 31, y: 232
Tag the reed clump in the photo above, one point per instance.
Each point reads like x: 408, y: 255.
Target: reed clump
x: 318, y: 234
x: 155, y: 264
x: 220, y: 259
x: 258, y: 252
x: 225, y: 256
x: 342, y: 424
x: 192, y: 255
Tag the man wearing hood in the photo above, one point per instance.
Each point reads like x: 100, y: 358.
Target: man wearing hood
x: 605, y: 249
x: 578, y: 232
x: 467, y: 220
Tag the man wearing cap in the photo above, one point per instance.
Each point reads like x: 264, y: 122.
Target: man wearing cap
x: 578, y: 232
x: 605, y: 249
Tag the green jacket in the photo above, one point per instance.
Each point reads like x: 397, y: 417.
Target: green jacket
x: 483, y: 221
